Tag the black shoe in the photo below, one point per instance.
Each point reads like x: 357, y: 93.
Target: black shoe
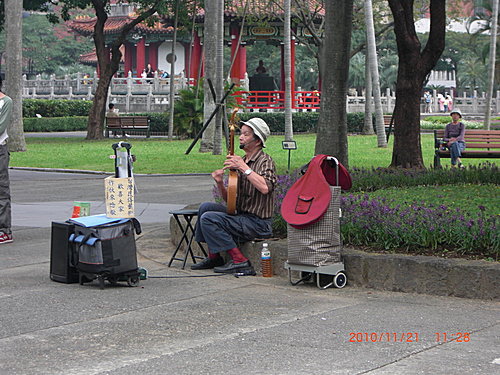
x: 231, y: 267
x: 208, y: 263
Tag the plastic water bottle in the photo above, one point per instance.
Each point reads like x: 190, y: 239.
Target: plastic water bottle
x: 265, y: 261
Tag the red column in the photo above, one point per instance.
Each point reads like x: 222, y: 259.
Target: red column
x: 235, y: 55
x: 141, y: 57
x: 129, y: 50
x: 153, y: 55
x: 195, y: 57
x: 243, y: 61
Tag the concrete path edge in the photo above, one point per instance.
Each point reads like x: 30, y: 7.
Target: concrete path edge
x: 394, y: 272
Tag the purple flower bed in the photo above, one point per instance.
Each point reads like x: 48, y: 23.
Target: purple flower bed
x: 417, y: 228
x: 378, y: 223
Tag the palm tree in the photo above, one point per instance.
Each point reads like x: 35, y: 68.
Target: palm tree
x: 373, y: 64
x: 288, y: 76
x: 491, y: 65
x: 13, y: 72
x: 209, y: 52
x: 172, y: 75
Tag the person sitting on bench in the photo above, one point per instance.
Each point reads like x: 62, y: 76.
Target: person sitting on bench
x: 254, y: 203
x: 454, y: 135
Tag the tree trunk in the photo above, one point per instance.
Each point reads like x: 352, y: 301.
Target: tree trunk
x: 373, y: 64
x: 13, y: 73
x: 368, y: 120
x: 414, y: 65
x: 288, y: 76
x: 491, y: 65
x: 209, y: 50
x: 219, y: 78
x: 171, y: 97
x: 332, y: 124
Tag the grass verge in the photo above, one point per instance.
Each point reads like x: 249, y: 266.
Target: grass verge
x: 163, y: 156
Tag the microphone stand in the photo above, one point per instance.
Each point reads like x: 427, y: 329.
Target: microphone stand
x: 217, y: 107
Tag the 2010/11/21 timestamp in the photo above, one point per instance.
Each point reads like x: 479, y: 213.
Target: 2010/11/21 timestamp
x: 448, y: 336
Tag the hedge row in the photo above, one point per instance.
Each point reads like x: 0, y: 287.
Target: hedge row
x: 302, y: 122
x: 55, y: 124
x: 55, y: 108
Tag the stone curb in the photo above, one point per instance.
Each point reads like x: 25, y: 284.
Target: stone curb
x: 393, y: 272
x: 84, y: 171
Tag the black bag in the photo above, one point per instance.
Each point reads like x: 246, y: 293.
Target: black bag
x: 106, y: 249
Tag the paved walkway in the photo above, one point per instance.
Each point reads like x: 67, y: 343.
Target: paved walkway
x: 211, y: 325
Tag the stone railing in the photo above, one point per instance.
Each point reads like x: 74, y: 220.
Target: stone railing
x: 130, y: 94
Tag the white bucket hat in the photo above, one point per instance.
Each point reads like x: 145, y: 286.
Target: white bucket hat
x: 259, y: 128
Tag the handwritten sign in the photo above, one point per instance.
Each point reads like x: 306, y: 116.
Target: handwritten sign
x: 119, y: 197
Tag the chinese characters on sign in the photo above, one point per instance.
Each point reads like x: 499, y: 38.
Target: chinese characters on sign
x: 119, y: 197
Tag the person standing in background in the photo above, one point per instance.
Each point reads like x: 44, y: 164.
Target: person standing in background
x: 5, y: 207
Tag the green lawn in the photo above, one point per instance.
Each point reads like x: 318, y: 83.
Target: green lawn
x: 163, y: 156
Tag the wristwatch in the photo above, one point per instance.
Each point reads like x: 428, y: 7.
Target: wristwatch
x: 248, y: 171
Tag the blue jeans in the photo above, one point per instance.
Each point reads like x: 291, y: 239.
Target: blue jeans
x: 5, y: 210
x: 222, y: 231
x: 456, y: 151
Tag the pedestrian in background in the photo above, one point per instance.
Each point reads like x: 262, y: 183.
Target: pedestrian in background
x: 5, y: 207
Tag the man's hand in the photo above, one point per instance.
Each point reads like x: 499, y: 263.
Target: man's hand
x: 217, y: 175
x: 235, y: 162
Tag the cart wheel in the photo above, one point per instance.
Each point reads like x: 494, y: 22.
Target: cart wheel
x: 340, y: 280
x: 133, y: 280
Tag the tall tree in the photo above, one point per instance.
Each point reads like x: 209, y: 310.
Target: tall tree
x: 287, y: 36
x: 108, y: 51
x: 210, y: 67
x: 13, y: 72
x: 373, y: 64
x: 219, y: 77
x: 491, y: 64
x: 368, y: 120
x: 332, y: 123
x: 171, y: 96
x: 415, y: 63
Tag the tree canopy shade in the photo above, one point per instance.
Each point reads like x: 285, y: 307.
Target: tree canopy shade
x: 415, y: 63
x: 39, y: 5
x: 108, y: 52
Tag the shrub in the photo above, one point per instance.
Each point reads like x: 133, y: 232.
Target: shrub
x: 56, y: 108
x: 55, y: 124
